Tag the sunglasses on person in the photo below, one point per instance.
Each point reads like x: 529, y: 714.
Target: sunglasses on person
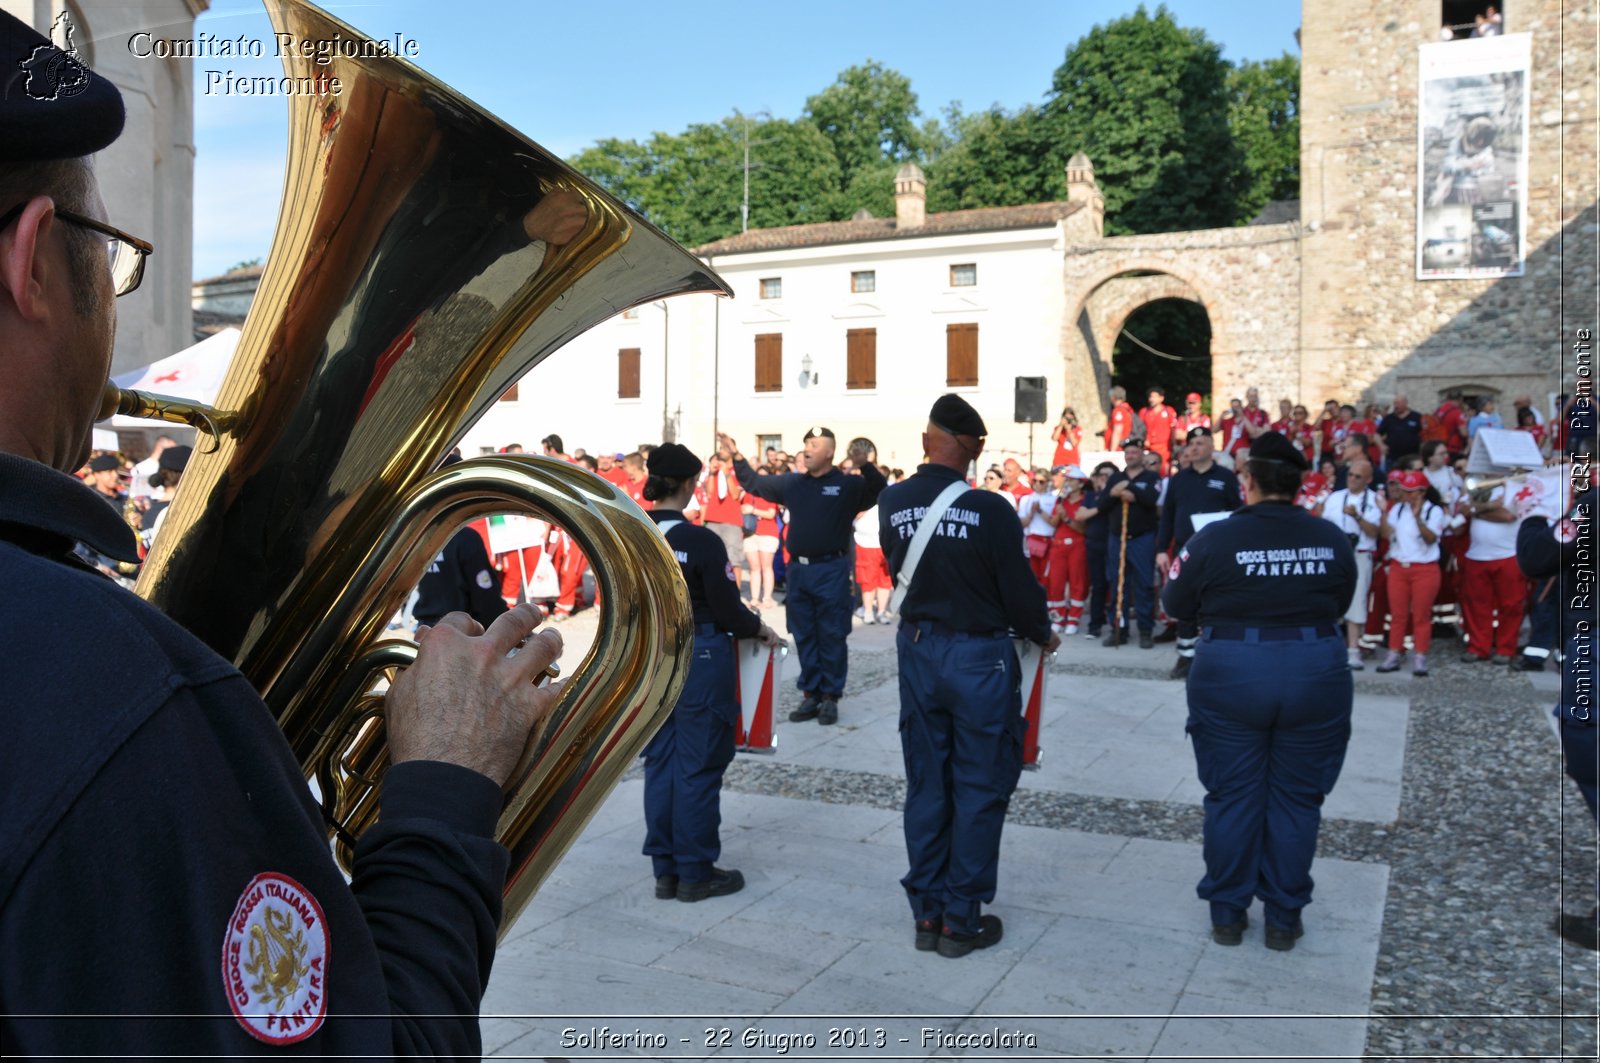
x: 125, y: 253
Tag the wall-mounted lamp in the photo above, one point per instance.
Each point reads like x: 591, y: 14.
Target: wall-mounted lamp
x: 807, y: 377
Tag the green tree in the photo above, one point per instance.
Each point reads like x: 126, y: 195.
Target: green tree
x: 869, y: 114
x: 992, y: 158
x: 1264, y: 114
x: 1148, y: 101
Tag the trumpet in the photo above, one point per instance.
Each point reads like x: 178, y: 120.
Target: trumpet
x: 426, y: 257
x: 1480, y: 487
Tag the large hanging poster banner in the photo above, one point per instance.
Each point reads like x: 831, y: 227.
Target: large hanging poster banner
x: 1472, y: 157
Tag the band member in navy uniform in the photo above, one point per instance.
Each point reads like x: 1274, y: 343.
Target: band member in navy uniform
x: 461, y: 579
x: 684, y: 762
x: 1560, y: 549
x: 1202, y: 486
x: 1270, y: 691
x: 1132, y: 493
x: 823, y: 503
x: 153, y: 812
x: 961, y: 722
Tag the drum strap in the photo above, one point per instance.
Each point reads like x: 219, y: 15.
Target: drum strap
x: 919, y: 542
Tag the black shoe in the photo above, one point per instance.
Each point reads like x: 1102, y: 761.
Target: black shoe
x: 1170, y: 634
x: 1281, y: 940
x: 1145, y: 641
x: 955, y: 946
x: 666, y: 887
x: 1500, y: 659
x: 1528, y: 664
x: 1229, y: 933
x: 1579, y: 929
x: 927, y: 935
x: 808, y: 709
x: 828, y: 711
x: 1115, y: 638
x: 720, y: 884
x: 1180, y: 670
x: 1472, y: 658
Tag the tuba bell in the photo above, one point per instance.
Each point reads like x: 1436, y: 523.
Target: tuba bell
x: 426, y: 256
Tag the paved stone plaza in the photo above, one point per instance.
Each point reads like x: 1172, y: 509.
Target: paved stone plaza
x: 1441, y: 866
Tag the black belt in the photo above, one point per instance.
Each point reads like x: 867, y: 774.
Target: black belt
x: 708, y: 629
x: 915, y: 629
x: 1274, y: 634
x: 816, y: 559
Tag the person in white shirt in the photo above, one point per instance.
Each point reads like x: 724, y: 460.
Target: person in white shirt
x: 1358, y: 511
x: 1493, y: 588
x: 1413, y: 527
x: 1033, y: 510
x: 872, y: 571
x: 144, y: 470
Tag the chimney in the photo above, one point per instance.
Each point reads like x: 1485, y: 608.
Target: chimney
x: 1089, y: 221
x: 910, y: 197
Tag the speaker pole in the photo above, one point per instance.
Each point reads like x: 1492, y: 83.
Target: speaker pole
x: 1030, y: 448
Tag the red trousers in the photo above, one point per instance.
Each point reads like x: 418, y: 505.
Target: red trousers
x: 1069, y: 566
x: 1492, y: 596
x: 514, y: 568
x: 1412, y: 589
x: 570, y: 567
x: 1040, y: 563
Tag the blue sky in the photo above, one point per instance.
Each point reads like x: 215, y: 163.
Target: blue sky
x: 569, y: 74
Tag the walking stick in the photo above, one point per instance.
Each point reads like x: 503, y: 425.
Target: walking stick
x: 1122, y: 571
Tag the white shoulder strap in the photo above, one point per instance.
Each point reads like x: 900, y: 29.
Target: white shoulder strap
x: 919, y: 542
x: 666, y: 526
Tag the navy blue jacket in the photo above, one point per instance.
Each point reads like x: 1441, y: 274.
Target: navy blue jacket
x: 1268, y: 565
x: 1143, y: 515
x: 1188, y: 492
x: 822, y: 509
x: 973, y: 576
x: 461, y: 579
x: 1553, y: 551
x: 713, y: 584
x: 144, y: 788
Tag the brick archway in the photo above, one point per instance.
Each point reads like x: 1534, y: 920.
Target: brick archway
x: 1246, y: 279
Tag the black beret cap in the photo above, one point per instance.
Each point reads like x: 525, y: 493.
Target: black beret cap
x: 51, y: 105
x: 674, y: 461
x: 1272, y: 446
x: 104, y: 463
x: 1196, y: 432
x: 813, y: 432
x: 955, y: 415
x: 175, y: 458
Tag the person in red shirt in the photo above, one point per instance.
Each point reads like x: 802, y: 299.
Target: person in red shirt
x: 608, y: 470
x: 1285, y: 417
x: 1014, y: 483
x: 1067, y: 577
x: 1120, y: 423
x: 1300, y: 432
x: 1192, y: 416
x: 1068, y: 435
x: 1159, y: 422
x: 1454, y: 423
x: 633, y: 469
x: 721, y: 511
x: 1242, y: 423
x: 760, y: 546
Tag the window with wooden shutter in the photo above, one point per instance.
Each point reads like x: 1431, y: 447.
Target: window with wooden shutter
x: 628, y: 373
x: 769, y: 361
x: 861, y: 358
x: 961, y: 356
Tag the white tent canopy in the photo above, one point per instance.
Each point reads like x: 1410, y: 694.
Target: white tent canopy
x: 193, y: 373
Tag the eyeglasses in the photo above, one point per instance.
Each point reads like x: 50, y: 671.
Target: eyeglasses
x: 125, y: 253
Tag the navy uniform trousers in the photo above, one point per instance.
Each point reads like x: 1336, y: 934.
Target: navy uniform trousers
x: 961, y: 729
x: 684, y: 762
x: 1270, y: 722
x: 817, y: 608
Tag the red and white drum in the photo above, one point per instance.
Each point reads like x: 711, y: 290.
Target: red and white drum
x: 1035, y: 663
x: 760, y: 673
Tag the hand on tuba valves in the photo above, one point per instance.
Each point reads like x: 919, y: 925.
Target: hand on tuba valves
x: 489, y: 681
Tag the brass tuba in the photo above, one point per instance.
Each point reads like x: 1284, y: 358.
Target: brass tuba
x: 426, y: 256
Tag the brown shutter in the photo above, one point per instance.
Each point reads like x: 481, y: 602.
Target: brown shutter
x: 961, y: 355
x: 861, y: 358
x: 510, y: 394
x: 769, y: 361
x: 628, y: 373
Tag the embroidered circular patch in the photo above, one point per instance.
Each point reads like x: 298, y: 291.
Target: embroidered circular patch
x: 275, y: 960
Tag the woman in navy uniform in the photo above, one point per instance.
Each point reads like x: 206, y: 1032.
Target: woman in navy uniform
x: 1269, y: 692
x: 684, y: 762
